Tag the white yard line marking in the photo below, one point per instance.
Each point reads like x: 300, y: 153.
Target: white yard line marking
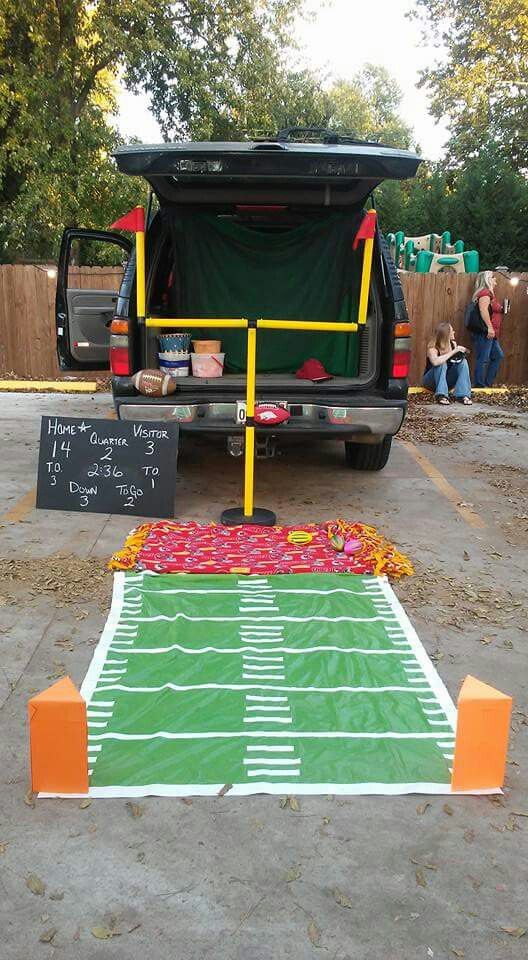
x: 279, y: 762
x: 276, y: 699
x: 95, y: 748
x: 261, y: 707
x: 290, y: 734
x: 117, y: 661
x: 246, y: 656
x: 98, y: 713
x: 261, y: 638
x: 183, y: 616
x: 263, y: 676
x: 273, y: 773
x: 254, y: 686
x: 267, y: 720
x: 278, y: 748
x: 259, y: 666
x: 97, y: 723
x: 101, y: 703
x: 438, y: 723
x: 113, y: 672
x: 432, y: 711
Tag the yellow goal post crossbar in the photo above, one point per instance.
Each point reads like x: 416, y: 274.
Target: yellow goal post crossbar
x: 252, y: 326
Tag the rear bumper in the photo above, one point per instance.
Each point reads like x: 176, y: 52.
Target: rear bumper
x: 367, y: 421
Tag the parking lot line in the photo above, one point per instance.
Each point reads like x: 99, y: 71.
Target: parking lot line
x: 21, y: 508
x: 445, y: 488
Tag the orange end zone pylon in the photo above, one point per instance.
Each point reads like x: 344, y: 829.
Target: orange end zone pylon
x: 481, y: 743
x: 58, y: 736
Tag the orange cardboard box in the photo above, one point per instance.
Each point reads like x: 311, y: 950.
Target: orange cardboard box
x: 482, y: 733
x: 58, y: 735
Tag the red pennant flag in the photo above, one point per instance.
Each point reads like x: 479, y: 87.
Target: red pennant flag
x: 134, y: 221
x: 367, y: 229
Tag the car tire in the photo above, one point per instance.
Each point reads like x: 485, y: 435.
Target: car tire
x: 367, y: 456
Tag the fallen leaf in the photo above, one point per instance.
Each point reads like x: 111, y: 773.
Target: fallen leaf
x: 3, y: 846
x: 135, y: 927
x: 422, y: 807
x: 84, y: 803
x: 326, y: 820
x: 420, y: 879
x: 140, y: 857
x: 466, y: 555
x: 428, y: 866
x: 342, y: 899
x: 519, y: 813
x: 516, y: 932
x: 290, y: 802
x: 104, y: 933
x: 458, y: 953
x: 44, y: 917
x: 187, y: 801
x: 225, y: 789
x: 486, y: 640
x: 447, y: 809
x: 135, y: 809
x: 469, y: 836
x: 314, y: 934
x: 292, y: 875
x: 48, y: 935
x: 36, y: 885
x: 29, y: 798
x: 57, y: 895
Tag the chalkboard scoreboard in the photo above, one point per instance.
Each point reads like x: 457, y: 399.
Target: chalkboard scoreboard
x: 107, y: 466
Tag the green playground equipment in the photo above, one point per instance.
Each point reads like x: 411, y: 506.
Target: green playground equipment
x: 431, y: 253
x: 461, y: 262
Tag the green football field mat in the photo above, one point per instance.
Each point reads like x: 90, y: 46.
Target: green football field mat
x: 305, y: 684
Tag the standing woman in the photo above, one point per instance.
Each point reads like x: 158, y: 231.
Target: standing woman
x: 447, y: 368
x: 488, y: 351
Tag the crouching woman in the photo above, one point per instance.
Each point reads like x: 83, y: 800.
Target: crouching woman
x: 447, y: 367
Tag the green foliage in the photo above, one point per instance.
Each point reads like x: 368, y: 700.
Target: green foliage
x: 59, y: 60
x: 482, y: 87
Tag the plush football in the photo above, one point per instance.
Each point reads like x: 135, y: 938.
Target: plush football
x: 270, y: 414
x: 154, y: 383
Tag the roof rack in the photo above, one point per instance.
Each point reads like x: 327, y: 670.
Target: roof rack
x: 318, y: 135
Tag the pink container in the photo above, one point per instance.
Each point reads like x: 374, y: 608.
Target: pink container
x: 207, y: 364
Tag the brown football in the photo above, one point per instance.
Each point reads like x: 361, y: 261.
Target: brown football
x: 154, y: 383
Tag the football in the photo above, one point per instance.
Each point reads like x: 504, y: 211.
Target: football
x: 270, y: 414
x: 154, y: 383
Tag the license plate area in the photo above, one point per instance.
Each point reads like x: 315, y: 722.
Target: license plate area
x: 240, y: 416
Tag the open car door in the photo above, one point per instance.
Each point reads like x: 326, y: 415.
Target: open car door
x: 90, y: 270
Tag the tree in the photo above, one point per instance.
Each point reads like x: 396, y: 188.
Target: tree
x: 59, y: 60
x: 481, y: 88
x: 368, y: 106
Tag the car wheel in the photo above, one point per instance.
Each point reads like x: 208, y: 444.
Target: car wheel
x: 367, y: 456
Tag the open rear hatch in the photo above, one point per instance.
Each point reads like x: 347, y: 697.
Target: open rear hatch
x: 335, y: 172
x: 266, y: 229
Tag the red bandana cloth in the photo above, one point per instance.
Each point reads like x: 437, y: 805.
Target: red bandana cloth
x: 172, y: 547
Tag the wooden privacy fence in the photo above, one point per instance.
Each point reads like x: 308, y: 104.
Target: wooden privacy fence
x: 27, y: 316
x: 431, y: 298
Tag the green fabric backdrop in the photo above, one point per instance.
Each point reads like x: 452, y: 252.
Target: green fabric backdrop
x: 310, y: 272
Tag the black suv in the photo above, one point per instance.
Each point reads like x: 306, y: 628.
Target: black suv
x: 260, y: 229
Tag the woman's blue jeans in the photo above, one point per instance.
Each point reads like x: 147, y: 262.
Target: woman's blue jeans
x: 446, y: 377
x: 488, y: 355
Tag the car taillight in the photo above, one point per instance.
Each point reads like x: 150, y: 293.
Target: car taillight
x: 119, y: 356
x: 119, y: 326
x: 401, y: 363
x: 401, y: 357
